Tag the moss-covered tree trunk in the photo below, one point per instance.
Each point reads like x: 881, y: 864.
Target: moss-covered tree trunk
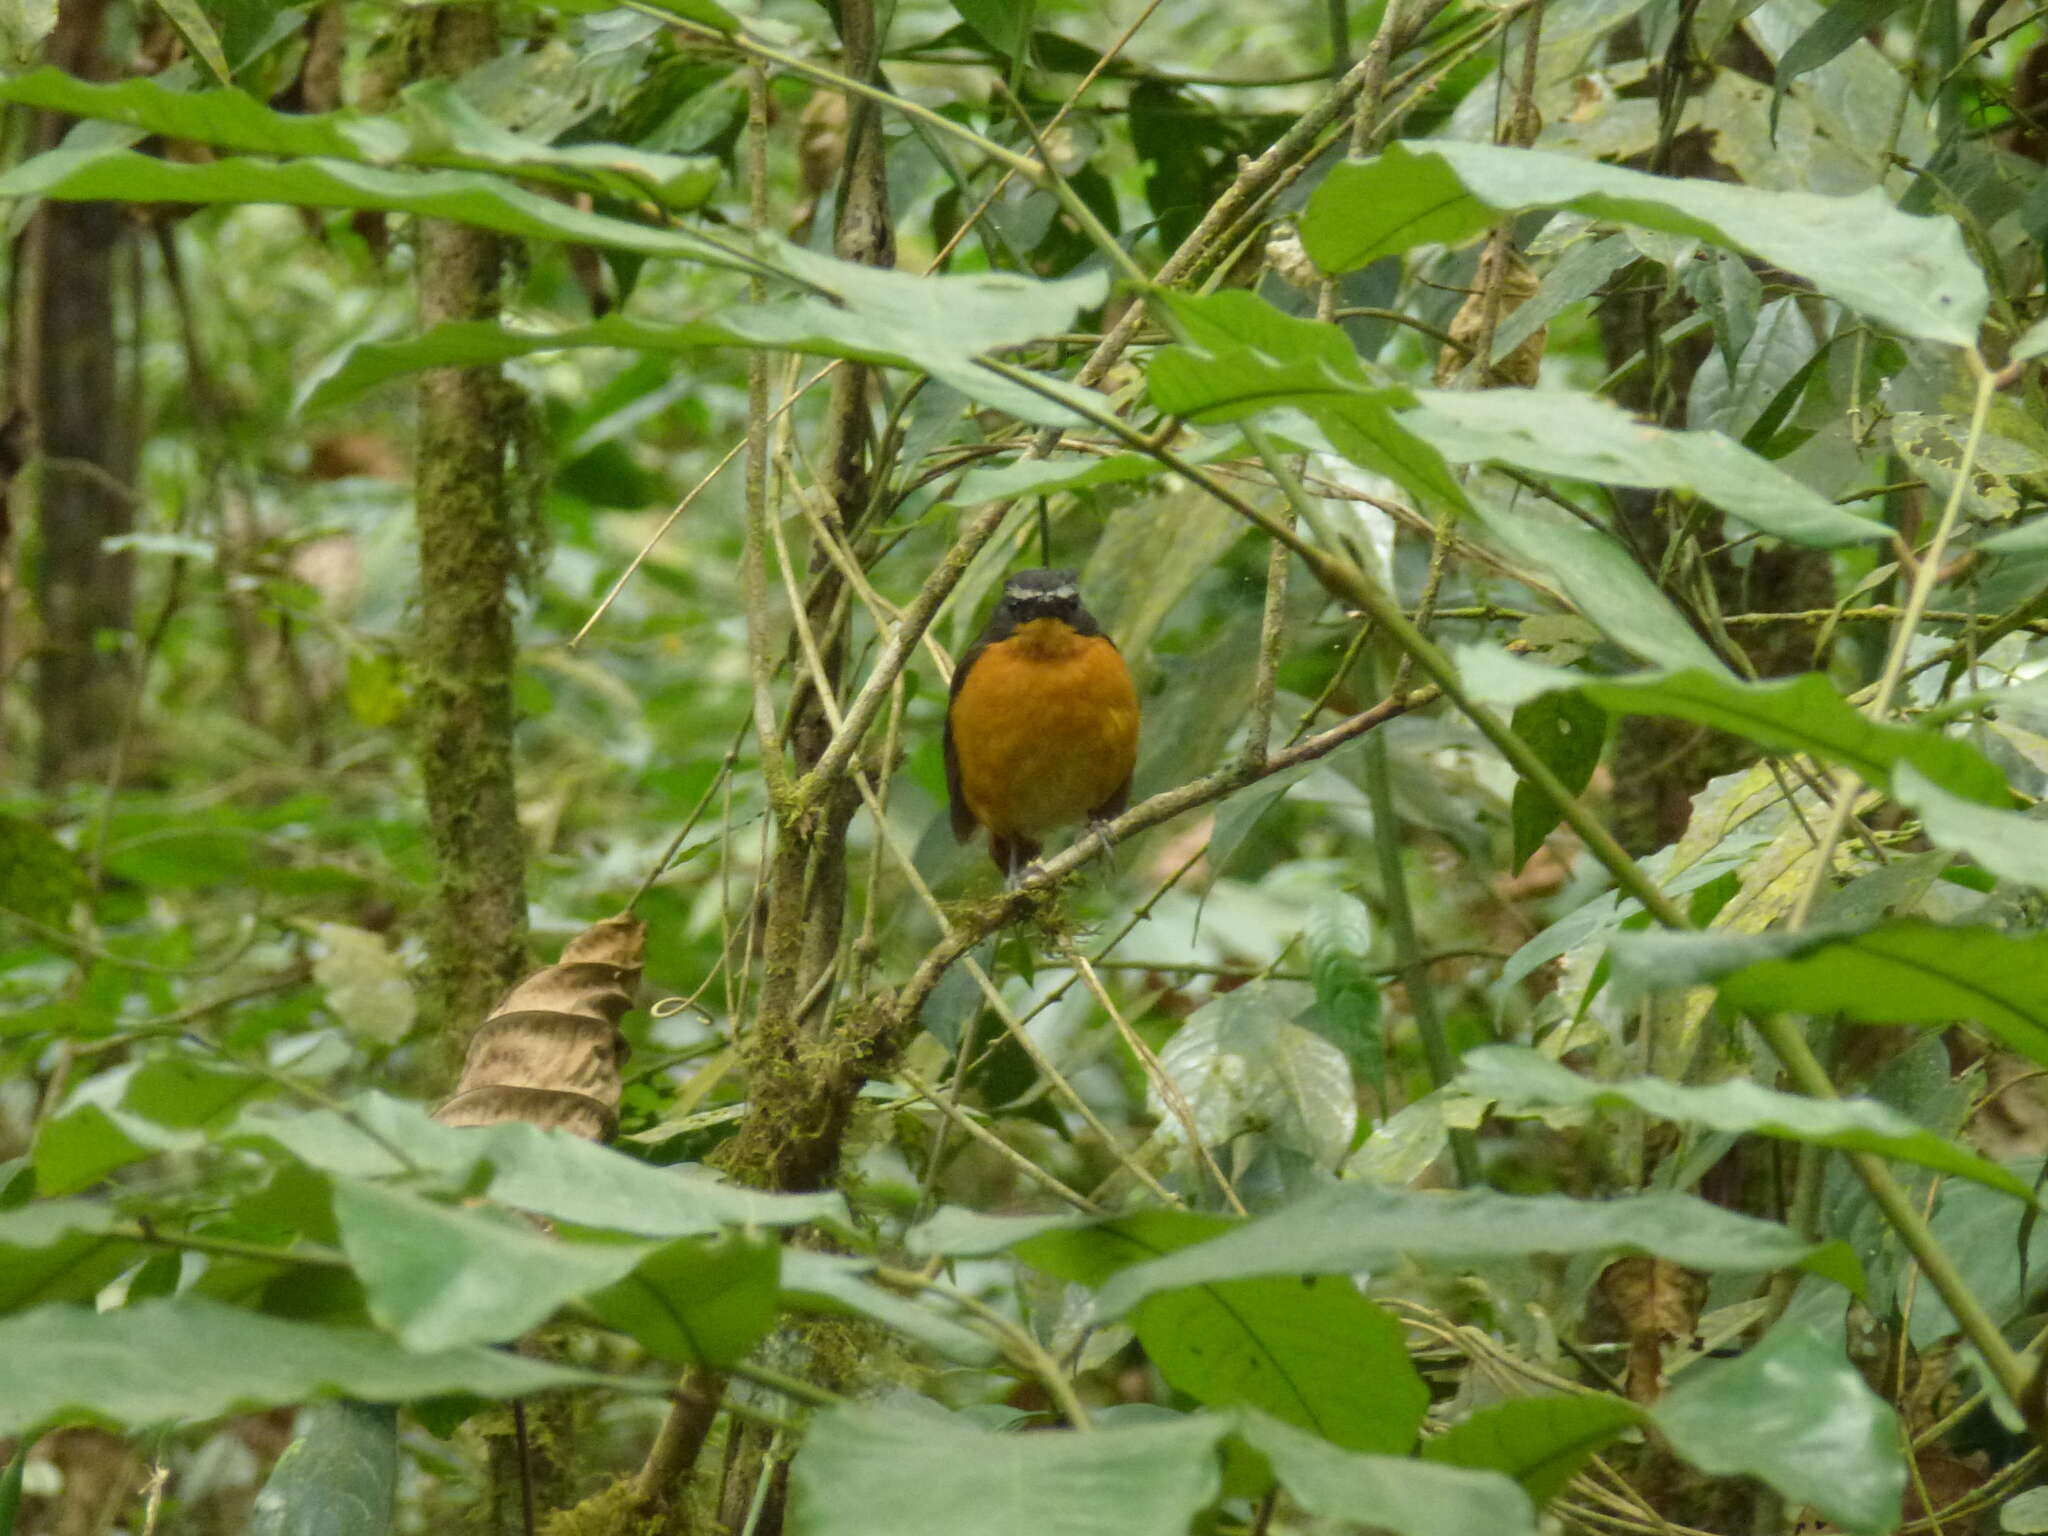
x: 470, y: 555
x: 66, y: 353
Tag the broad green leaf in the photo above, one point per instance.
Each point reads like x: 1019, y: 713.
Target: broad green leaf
x: 1976, y: 1229
x: 440, y: 1277
x: 183, y: 1358
x: 872, y: 1472
x: 1912, y: 274
x: 1843, y: 24
x: 338, y: 1477
x: 2003, y: 841
x: 1558, y: 432
x: 1394, y: 1493
x: 935, y: 324
x: 1538, y: 1441
x: 954, y: 1231
x: 84, y: 1144
x: 550, y: 1173
x: 434, y: 128
x: 1244, y: 356
x: 479, y: 198
x: 1911, y: 973
x: 1364, y: 1227
x: 1242, y: 1065
x: 1312, y: 1352
x: 1338, y: 934
x: 59, y: 1250
x: 697, y: 1301
x: 1038, y: 477
x: 177, y: 1091
x: 1603, y: 581
x: 1794, y: 1412
x: 831, y: 1282
x: 1002, y: 24
x: 39, y: 878
x: 1794, y: 714
x: 1567, y: 731
x: 1515, y: 1075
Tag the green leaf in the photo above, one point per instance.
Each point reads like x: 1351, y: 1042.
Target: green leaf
x: 696, y: 1301
x: 184, y: 1358
x: 1396, y: 1493
x: 1837, y: 29
x: 59, y: 1250
x: 2032, y: 342
x: 338, y: 1477
x: 934, y: 324
x: 954, y: 1231
x: 1245, y: 357
x: 1794, y: 1412
x: 1911, y: 973
x: 1310, y: 1351
x: 83, y: 1145
x: 177, y: 1091
x: 10, y: 1487
x: 869, y: 1472
x: 199, y: 36
x: 482, y: 199
x: 1567, y: 731
x: 1001, y: 23
x: 1355, y: 1227
x: 2008, y: 844
x: 436, y: 127
x: 38, y: 876
x: 440, y: 1277
x: 1541, y: 1442
x: 837, y: 1283
x: 1794, y: 714
x: 1242, y: 1064
x: 1603, y: 581
x: 1912, y: 274
x: 1515, y: 1075
x: 550, y: 1173
x: 1037, y: 477
x: 1338, y: 934
x: 1559, y: 432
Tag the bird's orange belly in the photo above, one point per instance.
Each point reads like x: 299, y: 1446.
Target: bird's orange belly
x: 1044, y: 734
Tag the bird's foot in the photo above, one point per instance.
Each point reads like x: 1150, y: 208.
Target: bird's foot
x: 1098, y: 826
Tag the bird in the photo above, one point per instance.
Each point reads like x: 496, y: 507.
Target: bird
x: 1042, y: 721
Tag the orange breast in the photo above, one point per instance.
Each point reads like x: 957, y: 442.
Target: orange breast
x: 1045, y: 728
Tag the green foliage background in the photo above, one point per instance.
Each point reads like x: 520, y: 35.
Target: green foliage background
x: 1274, y: 1177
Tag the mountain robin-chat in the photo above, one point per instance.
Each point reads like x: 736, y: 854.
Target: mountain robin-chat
x: 1042, y: 725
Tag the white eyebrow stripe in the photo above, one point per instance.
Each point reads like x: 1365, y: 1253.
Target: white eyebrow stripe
x: 1050, y: 594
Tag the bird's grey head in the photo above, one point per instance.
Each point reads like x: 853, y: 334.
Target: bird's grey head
x: 1043, y: 594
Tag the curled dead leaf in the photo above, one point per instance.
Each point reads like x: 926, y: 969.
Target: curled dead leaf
x: 550, y: 1052
x: 1658, y: 1302
x: 1472, y: 330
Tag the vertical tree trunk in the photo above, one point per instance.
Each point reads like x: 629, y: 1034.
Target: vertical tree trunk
x: 470, y: 555
x: 66, y: 353
x: 469, y: 558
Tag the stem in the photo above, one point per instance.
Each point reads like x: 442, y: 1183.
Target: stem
x: 1789, y: 1044
x: 1924, y: 580
x: 1429, y: 1023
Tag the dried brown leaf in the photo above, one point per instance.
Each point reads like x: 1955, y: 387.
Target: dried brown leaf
x: 1472, y: 329
x: 551, y: 1050
x: 1658, y: 1302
